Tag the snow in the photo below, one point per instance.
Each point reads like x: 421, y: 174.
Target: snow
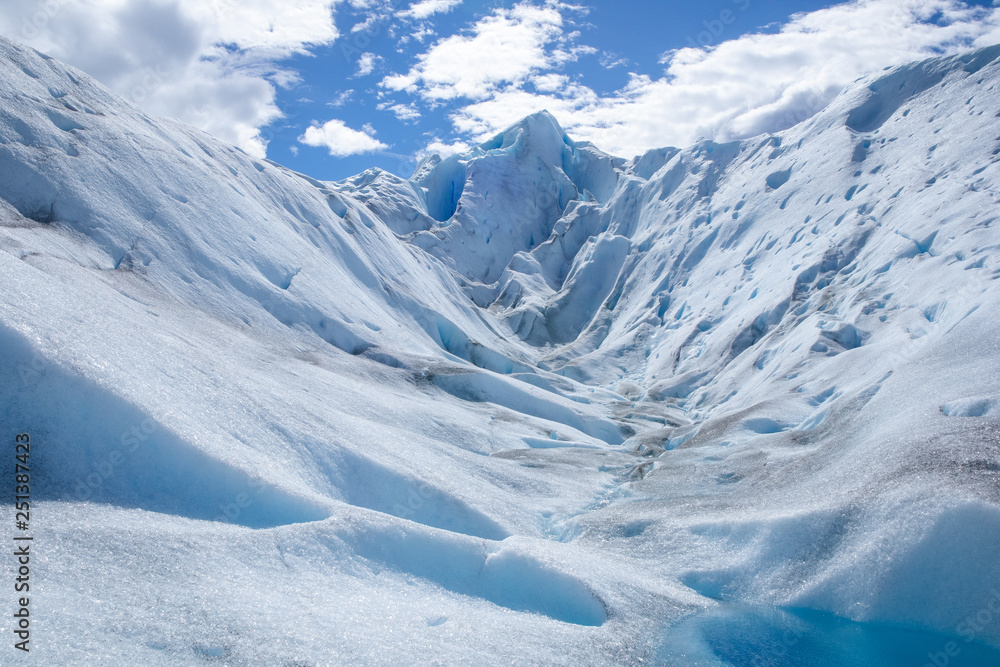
x: 535, y: 403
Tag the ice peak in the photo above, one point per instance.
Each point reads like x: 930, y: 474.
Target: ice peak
x: 504, y: 196
x: 540, y: 129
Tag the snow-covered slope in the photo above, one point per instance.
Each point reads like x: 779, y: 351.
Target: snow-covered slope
x: 535, y: 402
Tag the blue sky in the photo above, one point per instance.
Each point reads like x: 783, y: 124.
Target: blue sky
x: 332, y: 87
x: 627, y: 37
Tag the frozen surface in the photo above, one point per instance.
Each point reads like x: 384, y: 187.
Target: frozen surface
x: 803, y: 638
x: 534, y: 404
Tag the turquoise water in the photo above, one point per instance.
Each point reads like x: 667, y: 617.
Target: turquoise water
x: 744, y: 636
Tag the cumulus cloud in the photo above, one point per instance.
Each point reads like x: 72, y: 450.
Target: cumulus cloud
x: 403, y: 112
x: 749, y: 85
x: 427, y: 8
x: 215, y: 64
x: 367, y: 63
x: 342, y: 141
x: 504, y: 48
x: 209, y: 64
x: 443, y: 149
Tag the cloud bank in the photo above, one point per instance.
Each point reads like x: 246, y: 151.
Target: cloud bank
x: 209, y: 63
x: 218, y: 65
x: 749, y: 85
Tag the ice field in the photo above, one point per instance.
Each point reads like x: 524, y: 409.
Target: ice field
x: 731, y: 404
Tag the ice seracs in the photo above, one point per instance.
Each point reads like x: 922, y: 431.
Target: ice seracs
x: 506, y: 195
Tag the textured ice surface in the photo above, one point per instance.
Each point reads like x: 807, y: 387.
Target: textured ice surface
x: 533, y: 404
x: 803, y: 638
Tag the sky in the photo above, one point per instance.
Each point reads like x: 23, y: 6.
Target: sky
x: 333, y: 87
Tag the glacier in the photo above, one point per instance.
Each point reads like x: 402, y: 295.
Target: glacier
x: 727, y: 404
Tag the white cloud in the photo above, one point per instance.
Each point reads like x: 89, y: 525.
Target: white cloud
x: 505, y: 47
x: 551, y: 83
x: 444, y: 149
x: 612, y: 60
x: 403, y: 112
x: 991, y: 34
x: 756, y: 83
x: 340, y: 140
x: 369, y: 24
x: 341, y: 99
x: 427, y: 8
x: 168, y: 57
x: 215, y: 64
x: 367, y: 63
x: 418, y: 35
